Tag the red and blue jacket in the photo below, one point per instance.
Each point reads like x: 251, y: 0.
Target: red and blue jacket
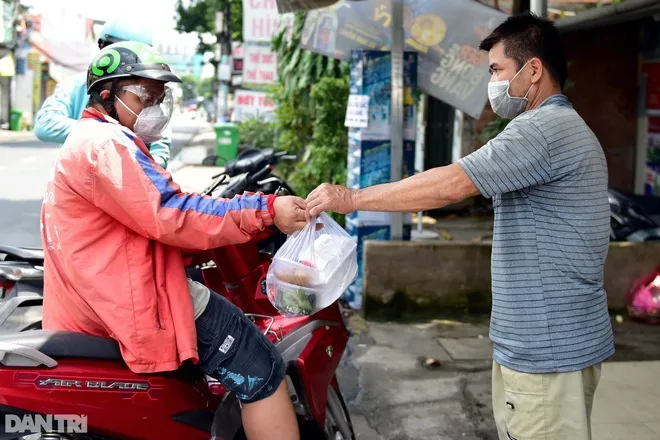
x: 113, y: 226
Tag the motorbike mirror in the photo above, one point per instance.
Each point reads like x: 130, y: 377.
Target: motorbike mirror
x: 281, y: 191
x: 218, y: 180
x: 15, y: 273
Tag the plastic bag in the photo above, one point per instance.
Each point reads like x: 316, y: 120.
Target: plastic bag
x: 312, y: 269
x: 643, y: 299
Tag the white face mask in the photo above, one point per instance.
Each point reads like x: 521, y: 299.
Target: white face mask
x: 503, y: 104
x: 150, y: 123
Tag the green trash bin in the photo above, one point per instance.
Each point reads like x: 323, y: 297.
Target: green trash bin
x: 15, y: 119
x: 226, y: 142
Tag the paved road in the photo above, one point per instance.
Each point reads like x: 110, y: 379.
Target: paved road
x: 24, y: 170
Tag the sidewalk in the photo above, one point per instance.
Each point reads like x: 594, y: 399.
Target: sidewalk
x: 186, y: 167
x: 471, y: 229
x: 16, y: 136
x: 431, y: 381
x: 200, y: 146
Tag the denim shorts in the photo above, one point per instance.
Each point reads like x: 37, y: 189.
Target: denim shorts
x: 234, y: 351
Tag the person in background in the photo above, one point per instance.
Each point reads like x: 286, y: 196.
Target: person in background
x: 60, y: 111
x: 547, y: 176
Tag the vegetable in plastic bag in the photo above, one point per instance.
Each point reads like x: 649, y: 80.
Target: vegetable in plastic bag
x: 312, y: 269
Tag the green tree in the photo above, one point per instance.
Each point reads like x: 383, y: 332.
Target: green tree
x: 193, y: 87
x: 199, y: 17
x: 257, y: 133
x: 311, y: 97
x: 189, y: 86
x: 206, y: 88
x: 324, y: 159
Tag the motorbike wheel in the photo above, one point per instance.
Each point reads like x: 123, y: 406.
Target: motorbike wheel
x: 338, y: 424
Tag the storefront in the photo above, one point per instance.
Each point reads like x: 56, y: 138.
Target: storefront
x: 614, y: 56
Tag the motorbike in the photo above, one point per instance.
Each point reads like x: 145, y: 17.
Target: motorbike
x: 633, y: 217
x: 252, y: 171
x: 45, y: 372
x: 21, y: 288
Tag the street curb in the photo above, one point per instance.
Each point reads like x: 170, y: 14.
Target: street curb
x: 17, y: 136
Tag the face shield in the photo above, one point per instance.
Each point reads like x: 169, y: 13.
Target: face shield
x: 157, y: 108
x: 151, y: 95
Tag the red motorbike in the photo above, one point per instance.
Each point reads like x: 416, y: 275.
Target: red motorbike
x: 67, y: 385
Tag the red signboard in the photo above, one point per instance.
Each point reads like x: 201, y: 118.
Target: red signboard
x: 652, y: 72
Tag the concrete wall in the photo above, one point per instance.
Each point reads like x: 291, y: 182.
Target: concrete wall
x: 402, y: 278
x: 604, y: 69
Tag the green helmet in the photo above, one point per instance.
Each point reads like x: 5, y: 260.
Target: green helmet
x: 127, y: 59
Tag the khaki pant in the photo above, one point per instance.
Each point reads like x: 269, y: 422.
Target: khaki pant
x: 544, y: 406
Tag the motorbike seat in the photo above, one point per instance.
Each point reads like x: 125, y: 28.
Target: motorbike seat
x: 66, y: 344
x: 23, y: 254
x: 249, y: 161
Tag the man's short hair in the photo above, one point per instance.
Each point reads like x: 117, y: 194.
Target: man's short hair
x: 528, y: 36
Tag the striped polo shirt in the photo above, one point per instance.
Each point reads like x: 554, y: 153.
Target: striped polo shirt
x: 547, y: 176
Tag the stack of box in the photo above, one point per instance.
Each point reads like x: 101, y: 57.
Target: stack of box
x: 369, y: 149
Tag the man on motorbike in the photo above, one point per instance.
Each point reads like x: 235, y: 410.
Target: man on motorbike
x: 114, y: 225
x: 60, y: 112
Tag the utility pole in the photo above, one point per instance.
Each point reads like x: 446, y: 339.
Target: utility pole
x: 539, y: 8
x: 520, y: 6
x: 223, y: 50
x: 219, y: 27
x: 396, y: 134
x: 226, y: 51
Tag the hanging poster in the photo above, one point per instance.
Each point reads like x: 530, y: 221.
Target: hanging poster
x: 446, y: 34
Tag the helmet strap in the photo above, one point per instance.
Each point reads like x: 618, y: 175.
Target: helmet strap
x: 113, y: 92
x: 109, y: 104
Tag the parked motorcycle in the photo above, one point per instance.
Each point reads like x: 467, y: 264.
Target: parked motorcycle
x: 21, y: 288
x: 59, y: 372
x: 633, y: 217
x: 252, y: 171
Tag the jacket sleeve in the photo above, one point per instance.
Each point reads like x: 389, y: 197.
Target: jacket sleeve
x: 161, y: 150
x: 130, y: 187
x: 55, y: 119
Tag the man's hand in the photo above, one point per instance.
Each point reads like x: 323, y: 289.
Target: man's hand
x: 290, y: 214
x: 333, y: 198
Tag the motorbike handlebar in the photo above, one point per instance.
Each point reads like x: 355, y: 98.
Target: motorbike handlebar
x: 259, y: 175
x: 252, y: 160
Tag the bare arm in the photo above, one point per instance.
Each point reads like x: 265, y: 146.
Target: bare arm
x: 431, y: 189
x: 517, y: 158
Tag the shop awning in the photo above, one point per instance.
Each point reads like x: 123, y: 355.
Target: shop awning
x: 65, y: 58
x: 628, y: 10
x: 284, y: 6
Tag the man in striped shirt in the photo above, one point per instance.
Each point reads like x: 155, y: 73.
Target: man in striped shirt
x: 547, y: 176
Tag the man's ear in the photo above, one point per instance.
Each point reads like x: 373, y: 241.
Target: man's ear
x: 536, y: 66
x: 105, y: 94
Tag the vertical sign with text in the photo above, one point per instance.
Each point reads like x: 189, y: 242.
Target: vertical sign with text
x: 259, y: 64
x: 261, y: 20
x: 250, y: 104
